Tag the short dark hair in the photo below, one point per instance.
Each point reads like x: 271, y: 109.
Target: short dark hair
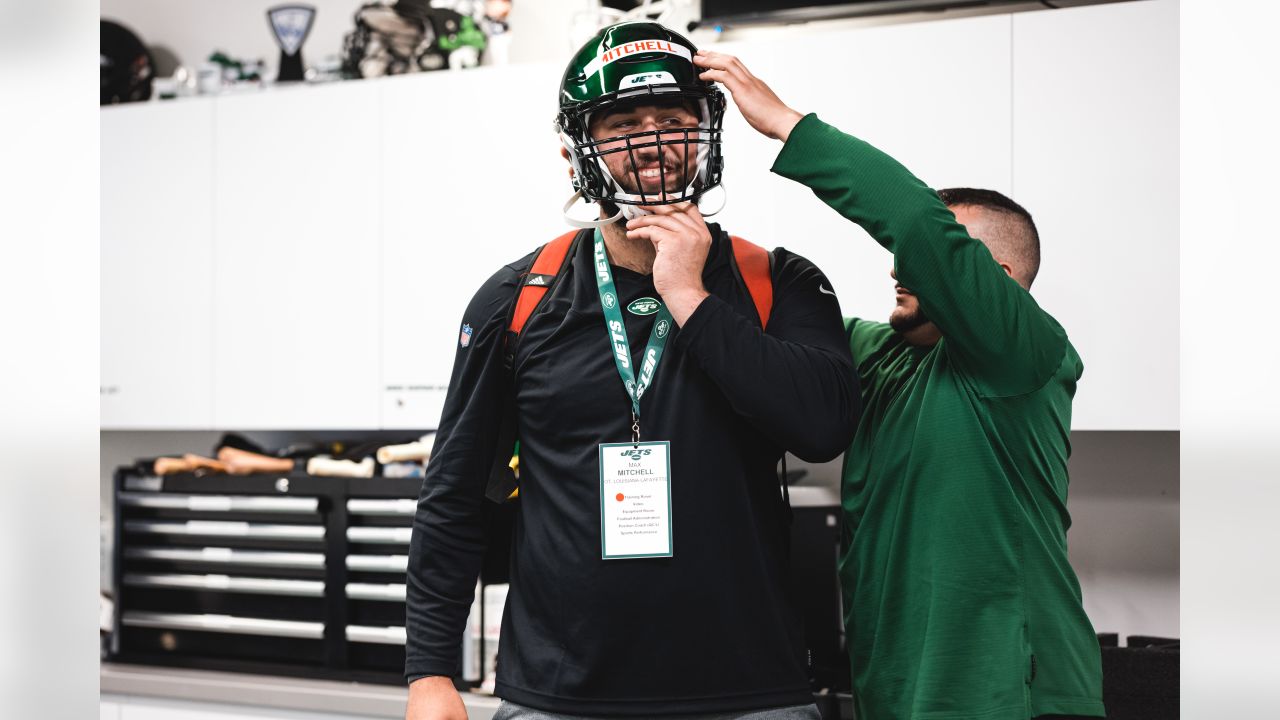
x: 1014, y: 231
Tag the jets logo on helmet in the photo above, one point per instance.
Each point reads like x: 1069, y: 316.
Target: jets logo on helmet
x: 656, y: 78
x: 630, y: 65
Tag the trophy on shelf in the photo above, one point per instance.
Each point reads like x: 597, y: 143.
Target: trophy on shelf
x: 291, y: 24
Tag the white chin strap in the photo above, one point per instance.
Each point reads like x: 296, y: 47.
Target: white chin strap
x: 632, y: 212
x: 591, y: 224
x: 724, y: 200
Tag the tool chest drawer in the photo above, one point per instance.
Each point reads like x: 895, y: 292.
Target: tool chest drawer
x: 282, y: 574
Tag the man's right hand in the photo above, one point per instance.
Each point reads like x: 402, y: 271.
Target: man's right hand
x: 434, y: 698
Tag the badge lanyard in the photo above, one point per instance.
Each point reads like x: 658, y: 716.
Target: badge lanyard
x: 617, y: 330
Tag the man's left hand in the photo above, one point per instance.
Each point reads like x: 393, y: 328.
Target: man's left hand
x: 682, y: 240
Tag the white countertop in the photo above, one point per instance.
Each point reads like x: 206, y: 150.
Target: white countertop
x: 328, y: 696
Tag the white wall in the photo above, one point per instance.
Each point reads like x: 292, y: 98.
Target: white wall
x: 1095, y: 159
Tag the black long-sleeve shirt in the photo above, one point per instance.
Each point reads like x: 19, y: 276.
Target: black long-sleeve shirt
x: 713, y: 627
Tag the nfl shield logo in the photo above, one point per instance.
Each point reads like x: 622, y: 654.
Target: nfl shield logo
x: 464, y: 337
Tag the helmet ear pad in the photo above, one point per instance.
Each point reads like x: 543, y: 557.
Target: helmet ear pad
x: 569, y: 149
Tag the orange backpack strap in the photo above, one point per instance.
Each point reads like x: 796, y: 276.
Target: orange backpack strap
x: 534, y: 284
x: 548, y: 266
x: 755, y: 267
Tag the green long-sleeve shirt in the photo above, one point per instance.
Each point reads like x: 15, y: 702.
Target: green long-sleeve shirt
x: 959, y: 599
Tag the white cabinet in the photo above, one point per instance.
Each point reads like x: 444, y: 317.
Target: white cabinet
x: 302, y: 258
x: 157, y: 274
x: 295, y: 337
x: 108, y: 710
x: 473, y: 180
x: 1096, y: 162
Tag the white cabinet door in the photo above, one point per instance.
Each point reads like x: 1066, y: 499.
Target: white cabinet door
x: 1096, y: 164
x: 473, y: 181
x: 157, y: 275
x: 296, y: 283
x: 935, y: 95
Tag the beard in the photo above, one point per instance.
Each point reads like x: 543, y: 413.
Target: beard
x: 903, y: 322
x: 678, y: 169
x: 674, y: 185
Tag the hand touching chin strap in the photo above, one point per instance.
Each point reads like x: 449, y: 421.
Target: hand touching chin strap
x: 630, y: 212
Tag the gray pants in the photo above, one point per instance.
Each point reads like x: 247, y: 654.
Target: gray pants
x: 511, y: 711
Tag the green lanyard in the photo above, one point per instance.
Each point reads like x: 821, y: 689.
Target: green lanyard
x: 617, y: 330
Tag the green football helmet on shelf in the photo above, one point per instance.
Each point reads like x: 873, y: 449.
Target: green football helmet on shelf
x: 626, y: 66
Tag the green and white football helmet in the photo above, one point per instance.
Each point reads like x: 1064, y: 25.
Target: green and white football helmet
x: 634, y: 64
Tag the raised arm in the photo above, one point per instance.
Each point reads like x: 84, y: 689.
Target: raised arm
x: 991, y: 325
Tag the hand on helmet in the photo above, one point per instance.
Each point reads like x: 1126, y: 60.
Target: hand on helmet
x: 682, y: 240
x: 758, y: 103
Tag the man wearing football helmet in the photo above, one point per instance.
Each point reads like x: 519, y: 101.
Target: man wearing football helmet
x: 638, y: 360
x: 615, y: 161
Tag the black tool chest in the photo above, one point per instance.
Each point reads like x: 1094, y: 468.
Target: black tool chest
x: 304, y: 576
x: 281, y: 574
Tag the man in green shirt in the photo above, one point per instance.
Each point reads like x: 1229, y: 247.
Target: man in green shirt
x: 959, y: 599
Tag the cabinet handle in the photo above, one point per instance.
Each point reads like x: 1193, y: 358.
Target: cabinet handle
x: 225, y: 624
x: 221, y: 503
x: 221, y: 528
x: 393, y: 536
x: 227, y: 556
x: 402, y: 506
x: 378, y: 563
x: 224, y: 583
x: 384, y: 635
x: 373, y: 591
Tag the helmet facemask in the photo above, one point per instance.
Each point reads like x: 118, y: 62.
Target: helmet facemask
x: 675, y: 148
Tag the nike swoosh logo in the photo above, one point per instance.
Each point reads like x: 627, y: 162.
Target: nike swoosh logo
x: 822, y: 289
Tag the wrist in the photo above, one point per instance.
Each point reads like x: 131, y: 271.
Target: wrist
x: 782, y: 130
x: 431, y: 683
x: 682, y: 303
